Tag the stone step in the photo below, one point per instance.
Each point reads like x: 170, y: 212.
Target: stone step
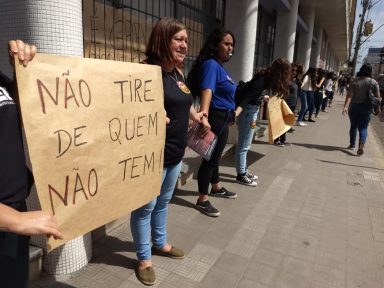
x: 35, y: 262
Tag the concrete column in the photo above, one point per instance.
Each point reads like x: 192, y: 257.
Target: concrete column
x: 54, y: 26
x: 241, y: 64
x: 315, y: 57
x: 326, y: 55
x: 286, y: 32
x: 305, y: 40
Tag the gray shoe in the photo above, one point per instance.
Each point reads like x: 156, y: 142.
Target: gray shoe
x: 146, y: 276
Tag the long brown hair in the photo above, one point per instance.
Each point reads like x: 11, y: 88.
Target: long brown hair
x: 279, y: 75
x: 157, y: 50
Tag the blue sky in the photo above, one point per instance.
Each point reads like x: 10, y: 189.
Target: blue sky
x: 376, y: 15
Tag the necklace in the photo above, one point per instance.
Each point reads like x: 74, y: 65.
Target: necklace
x: 180, y: 84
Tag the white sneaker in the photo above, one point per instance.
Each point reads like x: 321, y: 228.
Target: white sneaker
x: 301, y: 124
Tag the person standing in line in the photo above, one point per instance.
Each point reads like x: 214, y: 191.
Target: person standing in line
x: 167, y: 47
x: 16, y: 224
x: 358, y: 108
x: 211, y: 81
x: 328, y: 87
x: 318, y: 96
x: 283, y: 87
x: 306, y: 96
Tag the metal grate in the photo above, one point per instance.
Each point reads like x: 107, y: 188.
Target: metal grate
x: 119, y: 29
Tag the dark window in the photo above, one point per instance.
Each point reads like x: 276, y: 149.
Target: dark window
x: 265, y: 38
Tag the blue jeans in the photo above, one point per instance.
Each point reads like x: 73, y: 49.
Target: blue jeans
x: 303, y: 105
x: 246, y: 124
x: 359, y: 116
x: 151, y: 219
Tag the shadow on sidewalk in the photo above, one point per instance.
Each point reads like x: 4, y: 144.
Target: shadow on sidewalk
x: 325, y: 148
x: 107, y: 251
x: 252, y: 157
x: 48, y: 281
x: 182, y: 202
x: 351, y: 165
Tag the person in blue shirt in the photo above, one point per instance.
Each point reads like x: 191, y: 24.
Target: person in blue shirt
x: 210, y: 81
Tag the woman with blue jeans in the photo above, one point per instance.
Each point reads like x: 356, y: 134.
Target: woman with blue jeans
x: 274, y: 80
x: 357, y: 106
x: 246, y: 124
x: 167, y: 47
x: 307, y: 96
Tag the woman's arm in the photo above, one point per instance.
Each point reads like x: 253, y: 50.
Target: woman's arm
x: 320, y: 83
x: 28, y: 223
x: 346, y: 103
x: 205, y: 102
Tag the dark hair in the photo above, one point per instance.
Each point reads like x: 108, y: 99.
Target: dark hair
x: 311, y: 72
x: 209, y: 51
x: 365, y: 71
x: 279, y: 76
x: 157, y: 49
x: 321, y: 73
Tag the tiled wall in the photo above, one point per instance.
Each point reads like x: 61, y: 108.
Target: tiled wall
x: 55, y: 26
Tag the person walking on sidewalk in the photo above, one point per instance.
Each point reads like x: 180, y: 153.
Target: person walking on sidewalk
x: 211, y: 81
x: 16, y: 224
x: 357, y: 106
x: 167, y: 47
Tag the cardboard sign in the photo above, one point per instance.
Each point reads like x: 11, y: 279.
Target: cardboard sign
x: 280, y: 118
x: 95, y: 132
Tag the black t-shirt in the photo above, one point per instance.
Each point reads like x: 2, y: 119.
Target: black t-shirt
x: 291, y: 98
x: 14, y: 174
x: 177, y: 103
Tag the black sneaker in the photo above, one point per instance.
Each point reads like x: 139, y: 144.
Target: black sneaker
x: 224, y: 193
x: 350, y: 147
x: 251, y: 176
x: 207, y: 209
x: 243, y: 179
x: 278, y: 143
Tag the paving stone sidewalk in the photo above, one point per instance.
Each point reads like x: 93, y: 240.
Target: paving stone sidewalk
x: 316, y: 220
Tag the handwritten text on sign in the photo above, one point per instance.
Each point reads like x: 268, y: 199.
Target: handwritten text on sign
x: 95, y: 131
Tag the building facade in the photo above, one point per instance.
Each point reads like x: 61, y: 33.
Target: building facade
x: 373, y: 58
x: 315, y: 33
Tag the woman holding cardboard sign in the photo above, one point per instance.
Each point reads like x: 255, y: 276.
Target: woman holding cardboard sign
x: 167, y: 47
x: 273, y: 80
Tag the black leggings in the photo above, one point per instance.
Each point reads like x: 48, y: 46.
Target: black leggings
x: 209, y: 170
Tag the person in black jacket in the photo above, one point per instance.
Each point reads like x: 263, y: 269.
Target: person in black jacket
x: 267, y: 82
x: 16, y: 225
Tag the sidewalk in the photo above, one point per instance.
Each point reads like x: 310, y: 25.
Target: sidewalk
x: 316, y: 219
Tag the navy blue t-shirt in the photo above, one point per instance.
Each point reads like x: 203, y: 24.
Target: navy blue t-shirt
x: 14, y: 174
x: 213, y: 76
x: 177, y: 103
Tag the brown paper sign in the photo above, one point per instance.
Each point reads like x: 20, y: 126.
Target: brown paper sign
x: 280, y: 118
x: 95, y: 132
